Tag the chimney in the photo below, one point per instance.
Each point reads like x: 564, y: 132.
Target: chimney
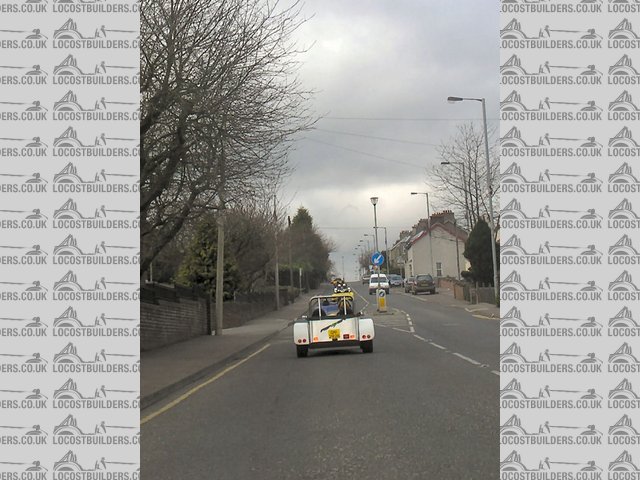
x: 445, y: 216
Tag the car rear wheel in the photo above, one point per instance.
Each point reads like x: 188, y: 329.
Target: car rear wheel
x: 367, y: 346
x: 302, y: 351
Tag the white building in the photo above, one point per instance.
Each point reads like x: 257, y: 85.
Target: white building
x: 437, y: 251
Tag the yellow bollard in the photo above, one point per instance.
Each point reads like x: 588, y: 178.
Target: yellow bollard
x: 382, y: 300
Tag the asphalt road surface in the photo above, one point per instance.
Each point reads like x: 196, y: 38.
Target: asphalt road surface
x: 423, y: 405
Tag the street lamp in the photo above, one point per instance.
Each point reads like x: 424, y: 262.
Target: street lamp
x: 374, y: 202
x: 426, y: 194
x: 489, y: 186
x: 464, y: 187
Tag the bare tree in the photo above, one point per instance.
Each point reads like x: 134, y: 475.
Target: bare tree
x: 221, y: 104
x: 461, y: 184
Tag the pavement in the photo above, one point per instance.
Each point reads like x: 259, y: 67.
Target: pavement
x: 169, y: 369
x: 422, y: 405
x: 445, y: 297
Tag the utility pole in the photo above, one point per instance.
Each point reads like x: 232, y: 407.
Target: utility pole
x: 386, y: 250
x: 455, y: 229
x: 290, y: 261
x: 426, y: 194
x: 277, y: 271
x: 220, y: 250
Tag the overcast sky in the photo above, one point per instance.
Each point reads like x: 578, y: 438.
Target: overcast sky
x: 377, y: 66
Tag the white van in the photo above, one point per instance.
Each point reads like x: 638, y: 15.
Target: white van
x: 378, y: 280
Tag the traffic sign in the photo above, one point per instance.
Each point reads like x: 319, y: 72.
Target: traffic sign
x: 377, y: 259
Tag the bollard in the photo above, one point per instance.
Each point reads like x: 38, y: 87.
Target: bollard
x: 382, y: 300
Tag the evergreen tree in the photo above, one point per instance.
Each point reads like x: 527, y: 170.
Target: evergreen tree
x: 199, y: 265
x: 478, y: 252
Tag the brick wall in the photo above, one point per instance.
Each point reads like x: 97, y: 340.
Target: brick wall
x: 466, y: 291
x: 170, y: 314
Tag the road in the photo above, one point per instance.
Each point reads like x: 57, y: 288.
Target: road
x: 423, y: 405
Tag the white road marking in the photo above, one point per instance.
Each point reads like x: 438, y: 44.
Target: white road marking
x: 413, y: 330
x: 400, y: 330
x: 467, y: 359
x: 365, y: 300
x: 483, y: 317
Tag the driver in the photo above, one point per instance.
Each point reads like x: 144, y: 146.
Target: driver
x: 345, y: 307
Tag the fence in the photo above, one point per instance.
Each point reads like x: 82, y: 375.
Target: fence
x: 170, y: 313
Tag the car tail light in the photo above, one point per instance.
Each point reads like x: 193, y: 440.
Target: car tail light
x: 299, y: 340
x: 352, y: 336
x: 315, y: 339
x: 368, y: 336
x: 304, y: 340
x: 364, y: 336
x: 345, y: 336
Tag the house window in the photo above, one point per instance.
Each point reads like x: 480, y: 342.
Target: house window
x: 438, y: 269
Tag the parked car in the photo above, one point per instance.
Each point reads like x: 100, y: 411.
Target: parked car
x: 378, y: 280
x: 365, y: 278
x: 396, y: 280
x: 423, y: 283
x: 408, y: 283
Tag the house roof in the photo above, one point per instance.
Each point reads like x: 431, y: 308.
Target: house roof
x: 458, y: 232
x: 401, y: 242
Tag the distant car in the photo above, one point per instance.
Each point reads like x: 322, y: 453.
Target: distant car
x: 365, y: 278
x: 395, y: 280
x: 423, y: 283
x: 378, y: 281
x: 408, y: 283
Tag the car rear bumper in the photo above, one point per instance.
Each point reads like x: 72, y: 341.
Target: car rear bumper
x: 424, y: 289
x: 335, y: 344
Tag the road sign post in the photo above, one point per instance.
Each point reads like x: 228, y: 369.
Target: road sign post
x: 381, y: 296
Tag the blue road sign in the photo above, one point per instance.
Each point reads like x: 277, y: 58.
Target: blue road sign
x: 377, y: 259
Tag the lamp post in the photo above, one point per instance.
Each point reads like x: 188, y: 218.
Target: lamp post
x: 464, y: 187
x: 277, y: 266
x: 489, y: 187
x: 362, y: 240
x: 374, y: 202
x: 386, y: 249
x: 426, y: 194
x: 359, y: 258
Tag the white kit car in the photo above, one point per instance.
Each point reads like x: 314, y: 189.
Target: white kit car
x: 330, y: 323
